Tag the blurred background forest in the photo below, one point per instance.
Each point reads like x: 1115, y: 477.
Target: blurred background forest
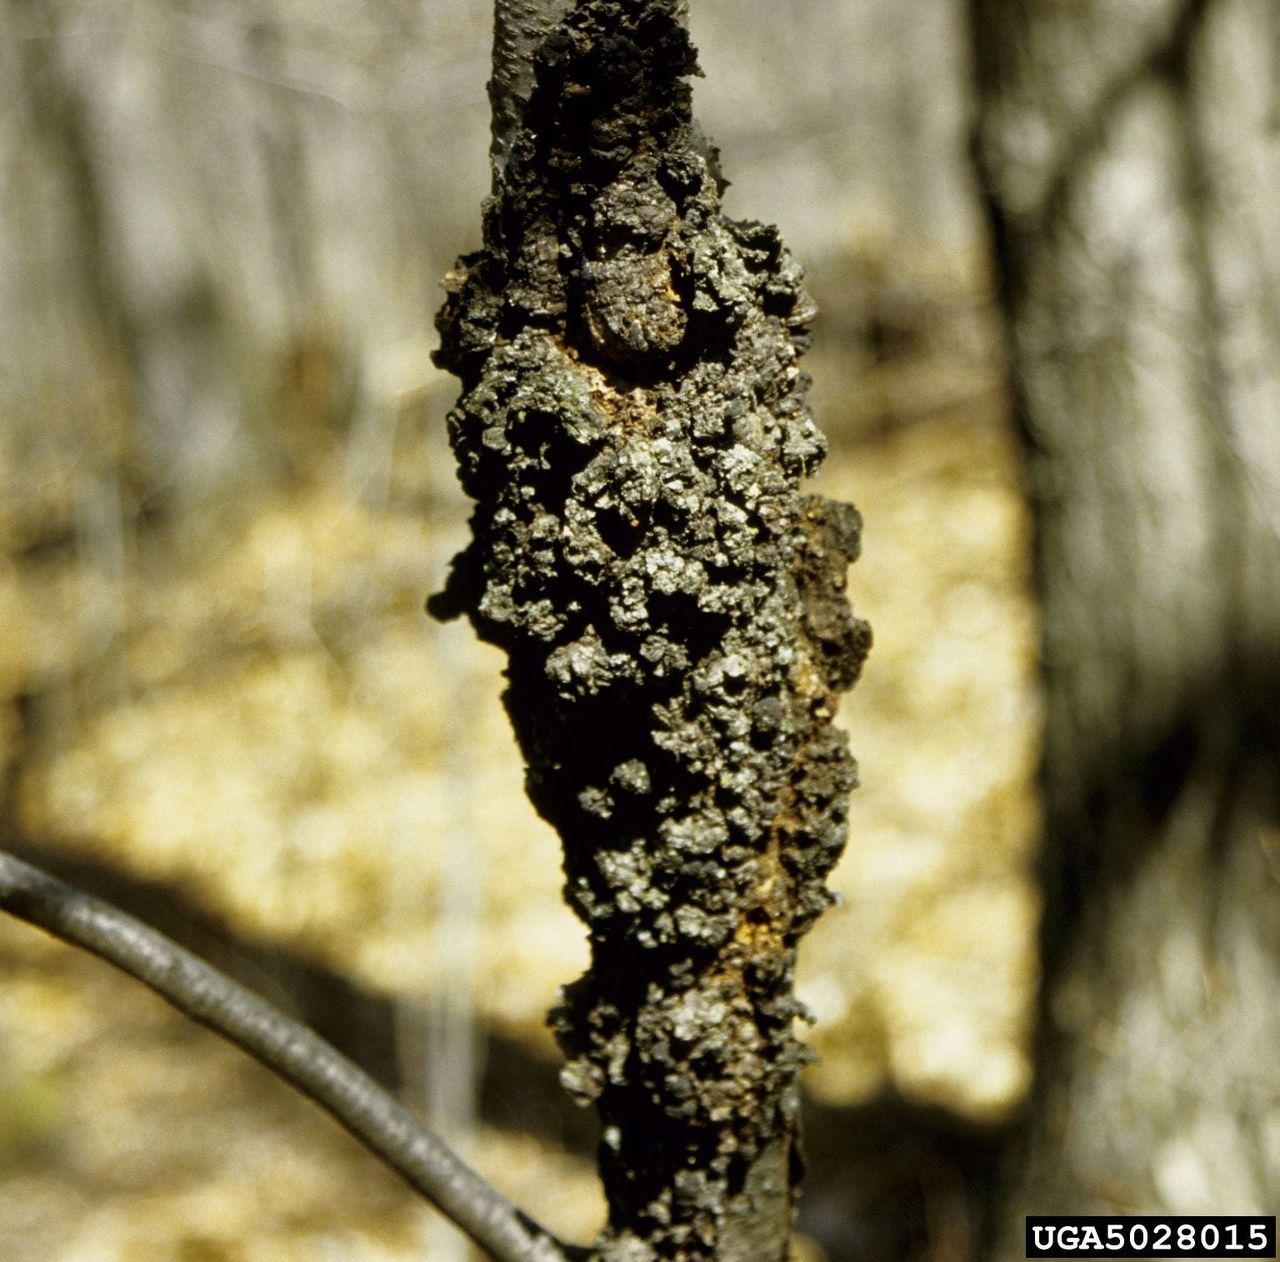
x: 225, y: 492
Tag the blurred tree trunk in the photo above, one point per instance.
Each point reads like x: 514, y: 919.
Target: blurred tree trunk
x: 1131, y: 157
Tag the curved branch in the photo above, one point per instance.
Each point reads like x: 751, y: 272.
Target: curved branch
x: 292, y: 1051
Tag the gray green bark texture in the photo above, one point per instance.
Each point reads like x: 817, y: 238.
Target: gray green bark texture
x: 1128, y: 155
x: 633, y: 429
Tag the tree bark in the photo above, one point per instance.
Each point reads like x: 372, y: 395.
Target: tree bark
x: 633, y: 430
x: 1128, y: 154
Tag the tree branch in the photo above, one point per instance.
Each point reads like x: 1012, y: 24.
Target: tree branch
x: 519, y: 26
x: 291, y: 1050
x: 633, y: 431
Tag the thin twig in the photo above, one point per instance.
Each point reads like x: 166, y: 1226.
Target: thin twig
x: 291, y: 1050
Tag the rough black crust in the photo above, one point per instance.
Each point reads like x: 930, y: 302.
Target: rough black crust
x: 633, y: 430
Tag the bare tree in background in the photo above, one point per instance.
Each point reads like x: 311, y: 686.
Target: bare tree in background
x: 1129, y: 153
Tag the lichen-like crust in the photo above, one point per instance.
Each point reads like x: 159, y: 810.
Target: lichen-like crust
x: 634, y: 431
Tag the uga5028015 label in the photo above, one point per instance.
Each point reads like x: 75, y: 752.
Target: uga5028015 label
x: 1191, y: 1236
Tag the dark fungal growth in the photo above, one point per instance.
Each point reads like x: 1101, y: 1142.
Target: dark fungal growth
x: 633, y: 430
